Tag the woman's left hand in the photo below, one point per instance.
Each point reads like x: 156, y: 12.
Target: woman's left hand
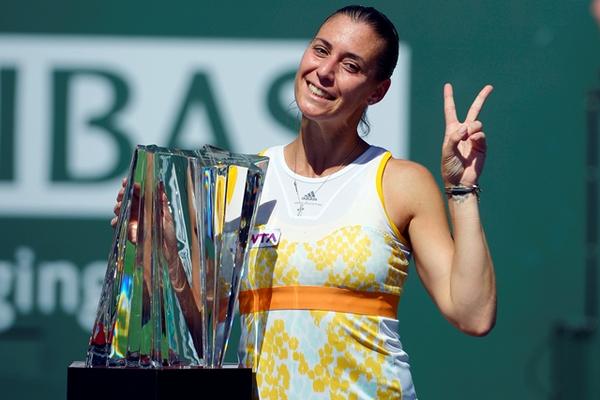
x: 464, y: 148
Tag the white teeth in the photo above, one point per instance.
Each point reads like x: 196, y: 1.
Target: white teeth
x: 317, y: 91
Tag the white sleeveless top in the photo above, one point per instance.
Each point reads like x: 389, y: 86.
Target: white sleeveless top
x: 318, y: 299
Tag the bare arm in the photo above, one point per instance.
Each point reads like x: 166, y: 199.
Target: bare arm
x: 456, y: 270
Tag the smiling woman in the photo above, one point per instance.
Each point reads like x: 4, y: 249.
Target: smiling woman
x: 336, y: 78
x: 339, y: 221
x: 319, y: 305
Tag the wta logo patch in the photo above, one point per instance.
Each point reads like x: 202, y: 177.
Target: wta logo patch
x: 268, y: 238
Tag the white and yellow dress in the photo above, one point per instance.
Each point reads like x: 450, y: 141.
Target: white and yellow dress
x: 319, y: 297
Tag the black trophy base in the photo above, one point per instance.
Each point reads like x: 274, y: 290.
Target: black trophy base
x: 158, y: 384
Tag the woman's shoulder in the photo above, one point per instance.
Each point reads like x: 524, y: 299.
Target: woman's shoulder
x: 409, y: 184
x: 402, y: 169
x: 409, y: 189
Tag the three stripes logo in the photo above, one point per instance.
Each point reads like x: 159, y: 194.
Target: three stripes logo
x: 310, y: 196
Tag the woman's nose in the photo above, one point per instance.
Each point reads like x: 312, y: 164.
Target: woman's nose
x: 326, y: 72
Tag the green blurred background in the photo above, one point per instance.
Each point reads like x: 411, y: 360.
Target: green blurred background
x: 543, y: 57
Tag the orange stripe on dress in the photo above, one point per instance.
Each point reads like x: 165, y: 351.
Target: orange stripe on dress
x: 319, y: 298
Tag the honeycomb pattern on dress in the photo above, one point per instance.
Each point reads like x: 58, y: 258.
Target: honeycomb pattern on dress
x: 352, y: 257
x: 351, y: 351
x: 305, y: 354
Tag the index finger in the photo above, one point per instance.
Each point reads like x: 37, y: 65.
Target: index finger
x: 449, y: 106
x: 478, y: 103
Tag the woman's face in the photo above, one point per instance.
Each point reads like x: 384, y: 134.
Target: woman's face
x: 336, y: 78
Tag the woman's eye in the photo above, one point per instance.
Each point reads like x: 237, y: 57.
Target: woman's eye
x: 351, y: 67
x: 320, y: 50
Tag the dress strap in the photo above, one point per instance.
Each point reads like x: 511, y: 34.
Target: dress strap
x: 379, y: 182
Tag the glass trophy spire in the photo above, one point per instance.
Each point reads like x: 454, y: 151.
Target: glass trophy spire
x: 172, y: 280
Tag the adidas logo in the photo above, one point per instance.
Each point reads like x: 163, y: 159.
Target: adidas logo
x: 310, y: 196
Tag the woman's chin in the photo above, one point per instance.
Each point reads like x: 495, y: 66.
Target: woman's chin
x: 315, y: 112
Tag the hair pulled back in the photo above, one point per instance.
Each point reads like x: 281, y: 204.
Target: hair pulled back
x: 384, y: 28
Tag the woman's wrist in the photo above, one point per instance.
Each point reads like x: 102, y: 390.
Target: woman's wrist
x: 460, y: 193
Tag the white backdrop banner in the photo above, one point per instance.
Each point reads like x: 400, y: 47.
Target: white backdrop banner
x: 73, y: 107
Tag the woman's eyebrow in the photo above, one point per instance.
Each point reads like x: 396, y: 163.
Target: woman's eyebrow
x: 323, y: 41
x: 347, y: 54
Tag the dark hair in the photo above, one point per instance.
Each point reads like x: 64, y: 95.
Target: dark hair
x: 383, y: 27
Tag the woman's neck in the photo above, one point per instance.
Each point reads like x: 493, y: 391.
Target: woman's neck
x: 318, y: 151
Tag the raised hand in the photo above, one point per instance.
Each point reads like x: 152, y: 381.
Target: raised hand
x: 464, y: 148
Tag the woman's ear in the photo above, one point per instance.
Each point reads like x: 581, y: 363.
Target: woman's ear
x: 379, y: 92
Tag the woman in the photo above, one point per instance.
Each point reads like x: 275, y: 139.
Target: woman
x: 319, y: 306
x: 318, y: 302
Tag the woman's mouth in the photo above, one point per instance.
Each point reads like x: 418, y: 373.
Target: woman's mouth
x: 318, y: 92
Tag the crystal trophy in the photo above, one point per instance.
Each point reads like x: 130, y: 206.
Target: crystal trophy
x: 172, y: 280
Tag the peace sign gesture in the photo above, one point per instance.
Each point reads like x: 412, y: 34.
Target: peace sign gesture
x: 464, y: 148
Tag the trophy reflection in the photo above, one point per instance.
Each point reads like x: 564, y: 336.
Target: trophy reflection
x: 171, y: 285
